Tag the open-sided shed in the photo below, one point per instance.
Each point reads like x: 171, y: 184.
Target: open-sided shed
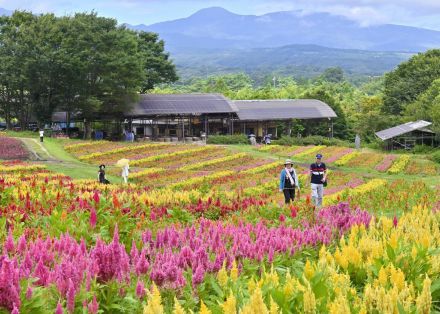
x: 407, y: 135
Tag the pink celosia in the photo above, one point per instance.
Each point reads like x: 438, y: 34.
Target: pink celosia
x: 93, y: 217
x: 93, y: 306
x: 59, y: 309
x: 140, y: 290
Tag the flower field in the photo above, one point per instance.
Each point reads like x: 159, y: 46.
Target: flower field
x: 12, y: 148
x: 203, y: 229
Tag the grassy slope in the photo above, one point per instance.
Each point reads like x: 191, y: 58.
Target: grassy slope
x: 69, y: 165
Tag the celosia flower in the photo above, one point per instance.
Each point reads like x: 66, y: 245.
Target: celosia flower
x: 93, y: 306
x: 59, y: 309
x: 230, y: 305
x: 178, y: 309
x: 140, y: 290
x: 154, y: 305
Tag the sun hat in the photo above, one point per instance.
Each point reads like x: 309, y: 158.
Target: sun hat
x: 318, y: 156
x: 100, y: 166
x: 288, y: 161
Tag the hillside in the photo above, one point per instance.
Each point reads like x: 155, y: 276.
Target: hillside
x: 303, y: 61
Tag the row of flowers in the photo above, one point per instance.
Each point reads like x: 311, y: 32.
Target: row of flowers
x: 12, y: 148
x: 190, y: 151
x: 124, y: 149
x: 213, y: 162
x: 399, y: 165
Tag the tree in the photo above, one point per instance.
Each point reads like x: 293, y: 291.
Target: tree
x: 157, y: 66
x: 340, y: 126
x: 427, y: 106
x: 333, y: 75
x: 409, y: 80
x: 82, y: 64
x: 15, y: 58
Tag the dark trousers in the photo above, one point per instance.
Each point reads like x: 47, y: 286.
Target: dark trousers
x: 289, y: 195
x: 41, y: 139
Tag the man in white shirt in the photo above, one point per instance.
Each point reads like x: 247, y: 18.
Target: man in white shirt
x: 41, y: 135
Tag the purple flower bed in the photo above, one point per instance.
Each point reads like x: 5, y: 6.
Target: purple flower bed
x: 12, y: 148
x: 386, y: 163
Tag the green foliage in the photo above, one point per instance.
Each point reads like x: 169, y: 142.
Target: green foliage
x: 333, y: 75
x: 80, y: 64
x: 427, y: 106
x: 340, y: 127
x: 411, y: 78
x: 436, y: 156
x: 228, y: 139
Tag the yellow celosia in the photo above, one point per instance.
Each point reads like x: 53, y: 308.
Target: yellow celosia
x: 271, y: 278
x: 274, y: 308
x: 383, y: 277
x: 399, y: 165
x: 256, y: 304
x: 234, y: 271
x: 309, y: 271
x: 154, y: 305
x: 339, y: 306
x: 211, y: 162
x: 393, y: 241
x: 222, y: 276
x: 178, y: 309
x: 204, y: 309
x: 309, y: 301
x: 424, y: 299
x: 230, y: 305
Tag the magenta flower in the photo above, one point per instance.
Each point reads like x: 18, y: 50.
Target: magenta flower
x: 140, y: 290
x: 59, y: 309
x: 93, y: 306
x: 93, y: 217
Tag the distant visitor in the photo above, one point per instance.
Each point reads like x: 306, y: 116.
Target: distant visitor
x: 41, y: 135
x: 101, y: 175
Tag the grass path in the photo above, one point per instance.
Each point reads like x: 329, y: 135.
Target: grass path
x: 51, y: 152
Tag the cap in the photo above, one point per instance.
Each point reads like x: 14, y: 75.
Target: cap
x: 288, y: 161
x: 318, y: 156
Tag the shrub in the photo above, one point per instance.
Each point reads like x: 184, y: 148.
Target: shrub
x: 436, y: 156
x: 228, y: 139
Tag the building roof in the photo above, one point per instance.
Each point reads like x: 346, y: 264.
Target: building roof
x: 284, y: 109
x: 180, y: 104
x: 403, y: 129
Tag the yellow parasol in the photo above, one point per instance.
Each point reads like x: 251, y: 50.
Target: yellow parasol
x: 122, y: 162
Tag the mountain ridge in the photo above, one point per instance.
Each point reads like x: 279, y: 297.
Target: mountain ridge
x: 217, y: 27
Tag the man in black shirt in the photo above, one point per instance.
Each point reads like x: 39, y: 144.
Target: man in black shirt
x: 318, y: 175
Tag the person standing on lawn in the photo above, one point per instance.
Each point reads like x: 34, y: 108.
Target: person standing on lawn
x: 124, y: 173
x: 318, y: 178
x: 41, y: 135
x: 288, y: 181
x: 101, y: 175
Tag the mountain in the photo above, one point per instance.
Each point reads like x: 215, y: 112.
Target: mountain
x: 5, y: 12
x: 217, y: 28
x: 304, y: 61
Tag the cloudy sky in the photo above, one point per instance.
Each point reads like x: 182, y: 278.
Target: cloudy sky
x: 420, y: 13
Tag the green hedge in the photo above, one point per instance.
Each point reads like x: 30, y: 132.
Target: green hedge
x: 436, y: 156
x: 228, y: 139
x: 311, y: 140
